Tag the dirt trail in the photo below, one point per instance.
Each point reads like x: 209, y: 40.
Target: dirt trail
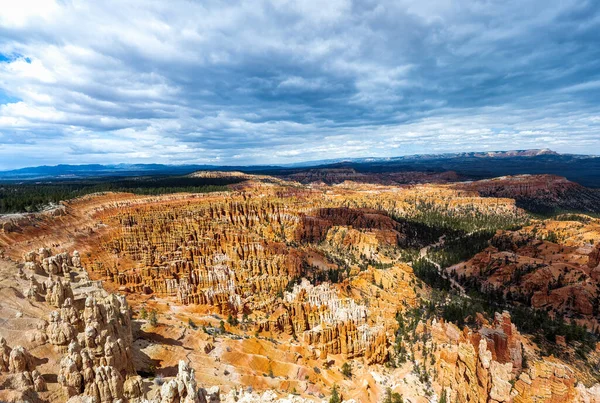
x: 423, y: 255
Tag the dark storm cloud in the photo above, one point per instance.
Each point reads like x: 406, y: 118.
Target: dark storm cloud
x: 283, y: 81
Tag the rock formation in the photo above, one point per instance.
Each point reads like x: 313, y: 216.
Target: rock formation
x: 545, y: 265
x: 182, y: 389
x: 487, y: 366
x: 331, y: 324
x: 539, y: 193
x: 19, y: 363
x: 318, y: 276
x: 94, y: 335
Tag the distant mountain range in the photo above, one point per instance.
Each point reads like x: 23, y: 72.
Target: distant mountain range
x: 429, y: 157
x: 584, y: 169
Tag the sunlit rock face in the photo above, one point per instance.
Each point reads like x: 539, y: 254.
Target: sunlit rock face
x: 263, y: 293
x: 549, y: 265
x: 85, y: 343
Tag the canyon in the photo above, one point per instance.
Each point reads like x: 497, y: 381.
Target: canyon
x: 281, y: 289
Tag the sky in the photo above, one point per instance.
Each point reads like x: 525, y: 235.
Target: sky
x: 256, y: 82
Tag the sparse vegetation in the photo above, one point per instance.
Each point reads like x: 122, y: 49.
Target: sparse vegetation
x: 335, y: 395
x: 346, y: 370
x: 443, y: 397
x: 392, y: 397
x: 232, y: 320
x: 153, y: 317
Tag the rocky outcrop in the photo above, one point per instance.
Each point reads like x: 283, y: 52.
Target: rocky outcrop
x: 328, y: 323
x: 106, y: 386
x: 20, y: 360
x: 214, y: 259
x: 594, y: 257
x: 487, y: 366
x: 19, y: 363
x: 314, y: 227
x: 60, y: 332
x: 482, y: 365
x: 92, y: 330
x: 547, y: 381
x: 99, y: 359
x: 57, y: 291
x: 43, y: 261
x: 549, y: 265
x: 539, y: 193
x: 4, y: 355
x: 500, y: 340
x: 182, y: 389
x: 332, y: 176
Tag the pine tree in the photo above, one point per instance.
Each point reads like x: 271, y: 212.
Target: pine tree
x: 153, y: 319
x: 444, y: 397
x: 347, y: 370
x: 335, y: 395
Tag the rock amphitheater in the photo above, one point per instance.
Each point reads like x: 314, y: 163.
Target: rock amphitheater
x: 261, y: 294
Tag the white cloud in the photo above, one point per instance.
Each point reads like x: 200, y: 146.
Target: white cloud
x: 276, y: 81
x: 23, y: 12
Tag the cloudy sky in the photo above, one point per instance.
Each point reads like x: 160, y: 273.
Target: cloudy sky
x: 228, y: 82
